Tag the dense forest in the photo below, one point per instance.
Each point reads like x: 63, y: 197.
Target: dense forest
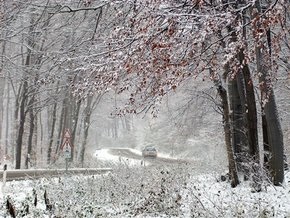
x: 127, y: 73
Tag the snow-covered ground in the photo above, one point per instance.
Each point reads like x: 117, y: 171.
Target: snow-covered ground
x: 153, y: 191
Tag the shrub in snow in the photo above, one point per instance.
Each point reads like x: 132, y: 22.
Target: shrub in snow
x: 151, y: 191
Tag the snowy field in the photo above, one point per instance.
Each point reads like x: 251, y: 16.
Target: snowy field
x: 135, y: 191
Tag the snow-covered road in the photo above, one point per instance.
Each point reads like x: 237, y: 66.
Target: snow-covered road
x: 136, y: 155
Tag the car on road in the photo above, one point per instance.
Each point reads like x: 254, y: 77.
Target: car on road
x: 149, y: 151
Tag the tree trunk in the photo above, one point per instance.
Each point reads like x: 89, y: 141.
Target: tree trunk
x: 275, y: 137
x: 266, y: 147
x: 236, y: 115
x: 30, y: 138
x: 251, y: 110
x: 22, y: 117
x: 227, y: 129
x: 75, y: 125
x: 3, y: 81
x: 274, y: 130
x: 16, y: 124
x: 237, y: 101
x: 2, y: 91
x: 49, y: 151
x: 87, y: 120
x: 7, y: 122
x: 60, y: 129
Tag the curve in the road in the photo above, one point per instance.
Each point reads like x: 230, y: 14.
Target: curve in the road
x: 127, y: 153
